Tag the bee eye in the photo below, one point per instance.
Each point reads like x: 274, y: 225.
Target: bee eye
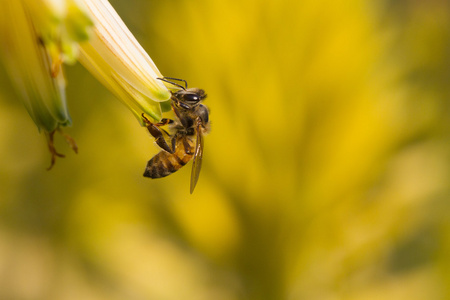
x: 191, y: 98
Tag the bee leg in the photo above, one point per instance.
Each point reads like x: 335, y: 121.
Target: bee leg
x: 174, y: 142
x: 157, y: 133
x: 164, y: 121
x: 184, y: 121
x: 187, y: 146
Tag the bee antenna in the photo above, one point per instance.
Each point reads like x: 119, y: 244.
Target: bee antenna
x: 168, y: 80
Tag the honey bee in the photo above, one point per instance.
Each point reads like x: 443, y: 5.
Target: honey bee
x: 184, y: 140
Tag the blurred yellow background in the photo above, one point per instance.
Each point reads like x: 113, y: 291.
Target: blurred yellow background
x: 325, y: 176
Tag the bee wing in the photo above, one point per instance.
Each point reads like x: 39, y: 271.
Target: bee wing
x: 198, y: 157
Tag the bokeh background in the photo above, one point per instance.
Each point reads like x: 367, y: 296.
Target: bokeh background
x: 326, y: 174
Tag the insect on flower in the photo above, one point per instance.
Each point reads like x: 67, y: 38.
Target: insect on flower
x: 184, y: 140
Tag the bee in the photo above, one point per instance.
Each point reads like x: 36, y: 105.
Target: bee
x: 184, y: 141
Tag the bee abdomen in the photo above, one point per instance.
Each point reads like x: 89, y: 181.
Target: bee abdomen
x: 164, y: 163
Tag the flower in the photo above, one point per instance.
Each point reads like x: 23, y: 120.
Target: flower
x: 117, y: 60
x: 38, y: 36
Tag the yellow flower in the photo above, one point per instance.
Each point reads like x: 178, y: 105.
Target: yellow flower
x: 117, y: 60
x: 38, y: 36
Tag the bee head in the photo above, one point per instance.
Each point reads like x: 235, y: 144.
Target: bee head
x: 189, y: 98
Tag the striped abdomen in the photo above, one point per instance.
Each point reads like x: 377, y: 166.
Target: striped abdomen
x: 165, y: 163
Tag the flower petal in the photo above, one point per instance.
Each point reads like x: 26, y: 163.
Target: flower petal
x: 116, y: 59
